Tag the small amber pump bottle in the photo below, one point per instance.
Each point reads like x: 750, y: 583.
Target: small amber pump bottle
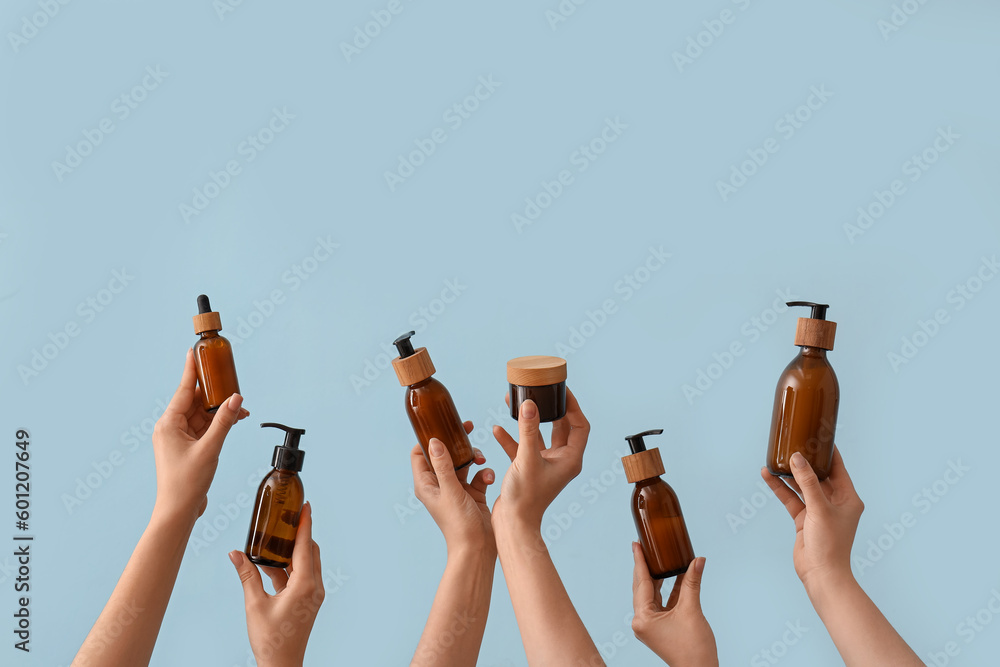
x: 657, y: 512
x: 806, y: 399
x: 213, y: 357
x: 276, y: 513
x: 428, y: 404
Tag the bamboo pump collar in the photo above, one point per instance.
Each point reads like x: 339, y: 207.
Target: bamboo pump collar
x: 815, y: 330
x: 411, y: 366
x: 642, y: 463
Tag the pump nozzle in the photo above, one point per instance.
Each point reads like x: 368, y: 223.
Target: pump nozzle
x: 287, y: 456
x: 404, y: 345
x: 635, y: 442
x: 292, y: 435
x: 203, y: 305
x: 818, y: 309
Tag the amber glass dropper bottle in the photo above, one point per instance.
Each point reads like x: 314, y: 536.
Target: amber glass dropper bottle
x: 213, y: 357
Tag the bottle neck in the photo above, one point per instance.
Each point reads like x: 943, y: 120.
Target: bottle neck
x: 427, y: 380
x: 814, y: 352
x: 211, y: 333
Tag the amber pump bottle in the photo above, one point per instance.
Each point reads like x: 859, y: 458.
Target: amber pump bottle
x: 276, y: 512
x: 213, y: 357
x: 428, y: 404
x: 656, y: 510
x: 806, y: 399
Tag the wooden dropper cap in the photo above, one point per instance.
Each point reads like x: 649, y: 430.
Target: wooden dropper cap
x: 815, y: 330
x: 642, y: 463
x: 206, y: 319
x: 411, y: 366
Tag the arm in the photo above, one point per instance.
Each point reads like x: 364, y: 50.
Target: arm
x: 457, y: 620
x: 826, y: 518
x: 186, y: 444
x: 551, y: 630
x: 279, y: 625
x: 678, y: 633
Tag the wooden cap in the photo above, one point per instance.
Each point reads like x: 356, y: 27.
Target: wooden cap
x: 644, y: 465
x: 815, y: 333
x: 537, y: 371
x: 207, y: 322
x: 415, y: 368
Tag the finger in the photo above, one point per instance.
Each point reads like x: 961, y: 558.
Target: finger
x: 579, y: 426
x: 482, y: 480
x: 793, y: 504
x: 184, y: 396
x: 808, y: 483
x: 468, y: 427
x: 507, y: 443
x: 253, y: 587
x: 225, y: 417
x: 642, y: 583
x: 419, y: 464
x: 529, y: 438
x: 302, y: 553
x: 444, y: 468
x: 675, y: 592
x: 478, y: 457
x: 244, y: 413
x: 278, y: 577
x: 839, y: 479
x: 691, y: 587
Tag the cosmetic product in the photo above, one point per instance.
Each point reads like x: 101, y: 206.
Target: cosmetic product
x: 275, y: 517
x: 213, y: 357
x: 429, y: 406
x: 805, y: 402
x: 656, y: 510
x: 543, y: 380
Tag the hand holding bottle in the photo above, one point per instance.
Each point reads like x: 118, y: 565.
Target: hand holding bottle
x: 279, y: 625
x: 678, y: 632
x: 458, y: 507
x: 826, y: 517
x: 186, y: 444
x: 537, y: 474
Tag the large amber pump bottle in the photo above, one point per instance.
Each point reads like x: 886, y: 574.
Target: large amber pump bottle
x: 656, y: 510
x: 275, y: 517
x: 806, y: 399
x: 429, y: 406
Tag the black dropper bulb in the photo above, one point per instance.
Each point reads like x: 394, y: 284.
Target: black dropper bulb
x: 203, y: 305
x: 818, y: 309
x: 635, y: 442
x: 404, y: 345
x: 287, y: 456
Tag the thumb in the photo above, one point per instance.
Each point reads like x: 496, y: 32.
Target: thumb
x: 691, y: 587
x: 225, y: 417
x: 529, y: 437
x: 253, y: 588
x: 443, y: 466
x: 807, y: 480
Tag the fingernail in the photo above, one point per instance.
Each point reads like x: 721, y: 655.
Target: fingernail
x: 798, y: 460
x: 436, y: 447
x: 479, y: 454
x: 489, y: 477
x: 236, y: 557
x: 235, y: 401
x: 699, y: 565
x: 528, y: 409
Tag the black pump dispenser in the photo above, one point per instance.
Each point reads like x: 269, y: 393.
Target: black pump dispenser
x: 818, y: 309
x: 403, y: 345
x: 203, y: 305
x: 635, y: 442
x: 287, y: 456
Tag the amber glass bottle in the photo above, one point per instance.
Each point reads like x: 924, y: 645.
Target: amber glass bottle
x: 657, y: 512
x: 276, y: 512
x: 806, y: 400
x: 429, y: 406
x: 213, y: 357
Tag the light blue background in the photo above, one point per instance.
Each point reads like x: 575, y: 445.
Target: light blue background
x: 523, y: 292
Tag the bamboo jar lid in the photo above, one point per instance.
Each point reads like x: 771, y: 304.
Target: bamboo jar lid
x: 415, y: 368
x: 644, y: 465
x: 536, y: 371
x: 815, y: 333
x: 207, y: 322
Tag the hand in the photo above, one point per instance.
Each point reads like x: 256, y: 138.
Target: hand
x: 826, y: 518
x: 186, y: 445
x: 536, y: 474
x: 279, y: 624
x: 457, y: 507
x: 679, y: 632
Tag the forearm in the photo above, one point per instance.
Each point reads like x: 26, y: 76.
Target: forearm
x: 457, y: 620
x: 551, y: 630
x: 126, y: 630
x: 860, y: 632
